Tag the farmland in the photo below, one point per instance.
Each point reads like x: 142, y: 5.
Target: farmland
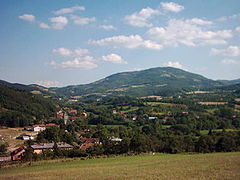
x: 147, y: 166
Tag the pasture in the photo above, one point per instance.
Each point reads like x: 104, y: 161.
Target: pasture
x: 147, y: 166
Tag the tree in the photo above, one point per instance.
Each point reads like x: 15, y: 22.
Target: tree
x: 3, y: 148
x: 205, y: 144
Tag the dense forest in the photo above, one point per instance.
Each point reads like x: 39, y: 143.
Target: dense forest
x: 20, y: 108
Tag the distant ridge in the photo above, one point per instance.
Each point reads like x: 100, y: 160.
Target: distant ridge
x: 154, y: 81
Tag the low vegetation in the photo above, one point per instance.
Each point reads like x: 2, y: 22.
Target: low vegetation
x: 158, y: 166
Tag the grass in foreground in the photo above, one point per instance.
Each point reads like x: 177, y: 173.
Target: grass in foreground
x: 159, y: 166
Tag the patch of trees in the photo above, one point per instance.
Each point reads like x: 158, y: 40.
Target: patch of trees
x: 20, y: 108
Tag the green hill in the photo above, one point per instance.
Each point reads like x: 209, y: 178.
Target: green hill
x: 155, y: 81
x: 19, y: 107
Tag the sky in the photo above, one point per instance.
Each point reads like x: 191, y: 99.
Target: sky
x: 66, y: 42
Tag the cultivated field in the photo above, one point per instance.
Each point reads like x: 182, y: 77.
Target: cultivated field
x: 158, y: 166
x: 9, y: 135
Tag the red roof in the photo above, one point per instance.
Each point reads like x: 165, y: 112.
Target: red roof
x: 86, y: 145
x: 51, y: 124
x: 45, y: 125
x: 89, y: 140
x: 19, y: 149
x: 74, y: 117
x: 73, y: 111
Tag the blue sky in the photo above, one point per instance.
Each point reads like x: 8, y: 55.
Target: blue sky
x: 64, y: 42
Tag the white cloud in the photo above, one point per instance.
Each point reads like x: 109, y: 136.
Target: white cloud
x: 27, y: 17
x: 199, y: 21
x: 86, y: 62
x: 190, y: 32
x: 233, y: 51
x: 232, y: 17
x: 82, y: 20
x: 62, y: 51
x: 174, y: 64
x: 230, y: 61
x: 69, y: 10
x: 238, y: 29
x: 114, y: 58
x: 108, y: 27
x: 58, y: 22
x: 140, y: 18
x: 130, y: 42
x: 80, y: 52
x: 47, y: 83
x: 44, y: 26
x: 66, y: 52
x: 171, y: 6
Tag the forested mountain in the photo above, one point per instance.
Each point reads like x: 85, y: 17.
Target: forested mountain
x: 19, y: 107
x: 17, y: 86
x: 230, y: 82
x: 155, y: 81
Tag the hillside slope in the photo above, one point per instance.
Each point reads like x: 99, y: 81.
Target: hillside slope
x: 155, y: 81
x: 19, y: 107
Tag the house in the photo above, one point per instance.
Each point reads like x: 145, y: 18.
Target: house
x: 72, y: 112
x: 114, y: 111
x: 116, y: 139
x: 152, y: 118
x: 18, y: 153
x: 59, y: 115
x: 83, y: 115
x: 25, y: 137
x: 39, y: 148
x: 39, y: 127
x: 6, y: 158
x: 90, y: 140
x: 28, y: 128
x: 134, y: 117
x: 73, y: 118
x: 84, y: 146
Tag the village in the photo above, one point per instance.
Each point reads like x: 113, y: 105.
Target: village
x: 31, y: 133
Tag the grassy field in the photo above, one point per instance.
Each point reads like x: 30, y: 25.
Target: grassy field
x: 158, y: 166
x: 9, y: 135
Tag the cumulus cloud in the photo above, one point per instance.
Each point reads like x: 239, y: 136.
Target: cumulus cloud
x: 190, y: 32
x: 232, y: 17
x: 174, y: 64
x: 171, y: 6
x: 58, y: 22
x: 108, y: 27
x: 69, y: 10
x: 237, y: 29
x: 233, y: 51
x: 114, y: 58
x: 27, y: 17
x: 86, y: 62
x: 82, y: 20
x: 66, y: 52
x: 140, y: 19
x: 44, y: 26
x: 199, y: 21
x: 230, y: 61
x: 48, y: 83
x: 130, y: 42
x: 62, y: 51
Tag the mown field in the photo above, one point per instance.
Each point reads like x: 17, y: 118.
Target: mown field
x: 158, y: 166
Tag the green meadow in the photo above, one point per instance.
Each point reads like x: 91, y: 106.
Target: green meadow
x: 159, y: 166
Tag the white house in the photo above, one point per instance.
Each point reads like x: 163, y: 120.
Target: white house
x: 115, y: 139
